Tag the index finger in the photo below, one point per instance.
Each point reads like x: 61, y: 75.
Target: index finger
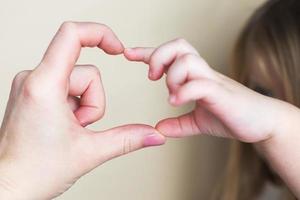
x: 162, y: 57
x: 64, y: 50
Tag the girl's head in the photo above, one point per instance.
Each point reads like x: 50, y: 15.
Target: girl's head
x: 267, y: 54
x: 267, y: 59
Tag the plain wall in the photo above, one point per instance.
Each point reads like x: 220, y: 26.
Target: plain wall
x: 185, y: 169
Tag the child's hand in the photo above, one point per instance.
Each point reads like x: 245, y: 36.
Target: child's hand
x: 224, y: 107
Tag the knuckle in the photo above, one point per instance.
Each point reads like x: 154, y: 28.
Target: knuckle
x: 106, y: 28
x: 181, y: 41
x: 127, y: 145
x: 186, y: 46
x: 211, y: 86
x: 94, y: 71
x: 32, y: 89
x: 204, y: 65
x: 68, y: 26
x: 20, y: 77
x: 188, y: 58
x: 197, y: 64
x: 99, y: 114
x: 202, y: 62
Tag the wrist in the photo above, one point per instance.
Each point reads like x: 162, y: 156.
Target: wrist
x: 281, y: 149
x: 8, y: 189
x: 286, y: 126
x: 13, y: 184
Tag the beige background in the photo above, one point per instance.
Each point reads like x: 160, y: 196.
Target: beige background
x: 183, y: 169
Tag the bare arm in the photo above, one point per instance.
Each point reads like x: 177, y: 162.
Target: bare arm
x: 283, y: 149
x: 224, y: 107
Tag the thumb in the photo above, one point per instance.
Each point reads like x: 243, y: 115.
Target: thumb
x: 177, y: 127
x: 115, y: 142
x: 200, y: 121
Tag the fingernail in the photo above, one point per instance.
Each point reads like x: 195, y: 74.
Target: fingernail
x: 154, y: 140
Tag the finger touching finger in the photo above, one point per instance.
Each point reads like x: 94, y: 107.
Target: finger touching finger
x: 177, y: 127
x: 139, y: 54
x: 160, y: 58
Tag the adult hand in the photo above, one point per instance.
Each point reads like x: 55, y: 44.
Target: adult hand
x: 44, y: 147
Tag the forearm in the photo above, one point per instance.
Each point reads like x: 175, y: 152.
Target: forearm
x: 283, y: 149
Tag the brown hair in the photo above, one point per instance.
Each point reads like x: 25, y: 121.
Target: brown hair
x: 269, y: 45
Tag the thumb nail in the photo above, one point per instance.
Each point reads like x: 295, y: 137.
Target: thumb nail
x: 154, y: 140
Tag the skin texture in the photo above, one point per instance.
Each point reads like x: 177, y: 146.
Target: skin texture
x: 44, y: 145
x: 224, y: 107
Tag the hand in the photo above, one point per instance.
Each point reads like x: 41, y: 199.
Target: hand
x: 44, y: 147
x: 224, y: 107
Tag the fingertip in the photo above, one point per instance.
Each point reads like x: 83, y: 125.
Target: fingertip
x: 112, y: 45
x: 166, y: 127
x: 82, y: 121
x: 154, y: 75
x: 120, y: 48
x: 151, y: 76
x: 156, y: 69
x: 158, y: 126
x: 115, y: 49
x: 174, y: 100
x: 129, y: 54
x: 155, y: 139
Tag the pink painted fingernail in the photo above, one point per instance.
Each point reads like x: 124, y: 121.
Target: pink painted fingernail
x: 154, y: 140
